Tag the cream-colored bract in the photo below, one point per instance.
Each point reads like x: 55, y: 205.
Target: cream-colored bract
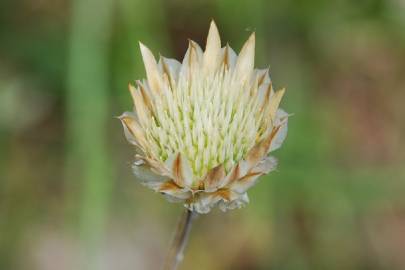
x: 203, y: 128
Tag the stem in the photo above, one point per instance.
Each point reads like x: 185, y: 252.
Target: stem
x: 175, y: 254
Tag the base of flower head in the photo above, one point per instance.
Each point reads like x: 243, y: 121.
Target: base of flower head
x: 231, y: 194
x: 209, y: 201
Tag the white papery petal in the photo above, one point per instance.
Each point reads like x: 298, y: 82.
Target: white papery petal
x: 192, y: 61
x: 266, y: 165
x: 212, y: 49
x: 176, y: 194
x: 229, y: 57
x: 239, y: 202
x: 147, y: 177
x: 204, y: 203
x: 152, y: 71
x: 275, y: 102
x: 245, y: 183
x: 263, y: 75
x: 180, y: 170
x: 170, y: 65
x: 246, y: 58
x: 282, y: 121
x: 132, y: 130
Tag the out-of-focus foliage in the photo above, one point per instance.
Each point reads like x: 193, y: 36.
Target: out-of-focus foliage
x: 67, y: 196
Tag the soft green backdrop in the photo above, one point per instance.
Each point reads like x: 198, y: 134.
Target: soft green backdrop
x: 67, y: 196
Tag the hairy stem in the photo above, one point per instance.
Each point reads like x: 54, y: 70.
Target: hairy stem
x: 175, y: 254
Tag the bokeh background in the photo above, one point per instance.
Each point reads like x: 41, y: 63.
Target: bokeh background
x: 67, y: 196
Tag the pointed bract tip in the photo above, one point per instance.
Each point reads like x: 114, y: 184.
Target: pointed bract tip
x: 130, y: 86
x: 252, y: 37
x: 192, y: 42
x: 213, y: 24
x: 144, y: 49
x: 250, y: 43
x: 213, y: 33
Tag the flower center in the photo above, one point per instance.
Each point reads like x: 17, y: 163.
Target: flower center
x: 211, y: 120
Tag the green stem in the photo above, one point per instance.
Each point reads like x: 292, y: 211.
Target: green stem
x: 176, y: 252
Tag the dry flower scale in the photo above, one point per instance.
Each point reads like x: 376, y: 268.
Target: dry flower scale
x: 203, y: 129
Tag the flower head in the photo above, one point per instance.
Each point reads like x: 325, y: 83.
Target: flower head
x: 203, y: 129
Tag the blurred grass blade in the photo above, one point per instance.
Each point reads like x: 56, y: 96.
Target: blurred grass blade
x: 87, y: 115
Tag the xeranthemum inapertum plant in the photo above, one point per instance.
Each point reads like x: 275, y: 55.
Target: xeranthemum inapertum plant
x: 203, y: 129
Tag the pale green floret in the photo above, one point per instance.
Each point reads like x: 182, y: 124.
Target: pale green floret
x: 210, y: 119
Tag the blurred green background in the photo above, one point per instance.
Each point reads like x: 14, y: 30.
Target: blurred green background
x: 67, y: 196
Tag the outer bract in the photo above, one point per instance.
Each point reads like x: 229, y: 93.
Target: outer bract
x: 203, y: 129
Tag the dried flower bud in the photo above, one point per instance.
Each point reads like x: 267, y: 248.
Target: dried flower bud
x: 203, y: 128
